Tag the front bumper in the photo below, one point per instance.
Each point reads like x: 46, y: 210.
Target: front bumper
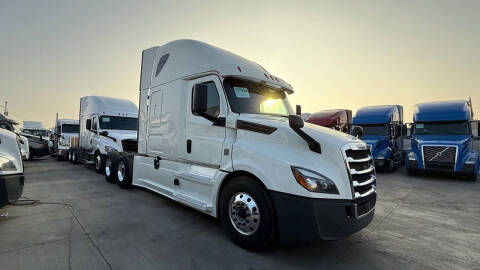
x: 303, y: 219
x: 11, y: 188
x: 63, y: 152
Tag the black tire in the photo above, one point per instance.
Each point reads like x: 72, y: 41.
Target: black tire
x: 253, y: 239
x: 471, y: 176
x: 411, y: 172
x: 388, y: 166
x: 74, y: 156
x: 111, y: 168
x: 99, y: 162
x: 32, y: 153
x: 59, y: 157
x: 124, y: 176
x: 70, y: 155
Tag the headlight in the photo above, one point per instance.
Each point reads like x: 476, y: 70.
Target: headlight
x: 6, y: 165
x: 470, y: 159
x: 314, y: 182
x: 63, y: 143
x: 411, y: 156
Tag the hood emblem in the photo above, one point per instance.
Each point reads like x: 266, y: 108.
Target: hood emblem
x: 438, y: 154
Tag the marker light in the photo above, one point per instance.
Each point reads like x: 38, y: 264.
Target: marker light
x: 314, y: 182
x: 411, y: 156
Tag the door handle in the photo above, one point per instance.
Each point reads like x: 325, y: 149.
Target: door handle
x: 189, y: 146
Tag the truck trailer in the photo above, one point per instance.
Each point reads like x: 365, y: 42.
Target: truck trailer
x: 338, y: 119
x: 106, y: 125
x: 217, y: 133
x: 63, y: 131
x: 383, y: 130
x: 442, y: 139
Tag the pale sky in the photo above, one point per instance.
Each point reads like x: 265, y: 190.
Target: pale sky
x: 335, y: 54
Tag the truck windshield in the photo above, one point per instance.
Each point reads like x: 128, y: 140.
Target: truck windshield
x: 256, y: 98
x: 35, y: 132
x: 6, y: 126
x: 70, y: 128
x: 118, y: 122
x: 381, y: 130
x: 441, y: 128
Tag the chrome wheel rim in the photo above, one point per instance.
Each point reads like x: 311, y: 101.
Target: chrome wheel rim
x: 244, y: 213
x: 108, y: 163
x: 98, y: 161
x: 121, y: 171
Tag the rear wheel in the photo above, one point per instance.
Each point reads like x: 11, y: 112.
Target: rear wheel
x: 246, y: 213
x: 99, y: 162
x: 111, y: 168
x: 123, y: 173
x: 70, y: 155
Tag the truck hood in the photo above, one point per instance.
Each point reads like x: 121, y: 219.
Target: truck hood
x: 323, y: 135
x: 377, y: 142
x: 120, y: 135
x: 442, y: 139
x: 460, y: 141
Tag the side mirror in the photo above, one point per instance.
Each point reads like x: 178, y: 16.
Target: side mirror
x: 88, y: 124
x: 298, y: 110
x: 104, y: 133
x: 357, y: 131
x: 199, y: 99
x: 295, y: 121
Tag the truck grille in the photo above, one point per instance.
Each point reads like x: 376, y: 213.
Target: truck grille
x: 129, y: 145
x: 360, y: 168
x: 444, y: 154
x: 439, y: 157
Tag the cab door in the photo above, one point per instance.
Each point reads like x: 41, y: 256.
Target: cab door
x: 204, y: 140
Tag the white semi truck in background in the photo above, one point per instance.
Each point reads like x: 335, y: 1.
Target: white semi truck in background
x: 106, y: 124
x: 217, y: 133
x: 64, y: 130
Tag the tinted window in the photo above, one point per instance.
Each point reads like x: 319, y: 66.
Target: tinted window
x: 118, y: 122
x: 35, y: 132
x: 213, y: 100
x: 381, y: 130
x: 256, y: 98
x: 453, y: 128
x: 70, y: 128
x: 94, y: 123
x: 6, y: 126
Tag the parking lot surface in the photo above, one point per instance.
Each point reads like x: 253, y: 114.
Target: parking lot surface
x: 421, y: 222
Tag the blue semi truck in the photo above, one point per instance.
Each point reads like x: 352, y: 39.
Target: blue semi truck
x: 383, y: 130
x: 442, y: 139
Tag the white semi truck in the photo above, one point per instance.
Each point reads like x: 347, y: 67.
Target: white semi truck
x: 63, y: 131
x: 217, y: 133
x: 106, y: 125
x: 11, y: 167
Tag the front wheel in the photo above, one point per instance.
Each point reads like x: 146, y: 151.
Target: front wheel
x: 123, y: 173
x: 99, y: 162
x: 246, y: 213
x: 111, y: 168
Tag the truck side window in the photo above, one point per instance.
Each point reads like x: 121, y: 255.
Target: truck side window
x: 213, y: 100
x: 94, y: 123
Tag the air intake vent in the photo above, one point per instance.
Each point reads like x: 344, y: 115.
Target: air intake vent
x: 361, y: 169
